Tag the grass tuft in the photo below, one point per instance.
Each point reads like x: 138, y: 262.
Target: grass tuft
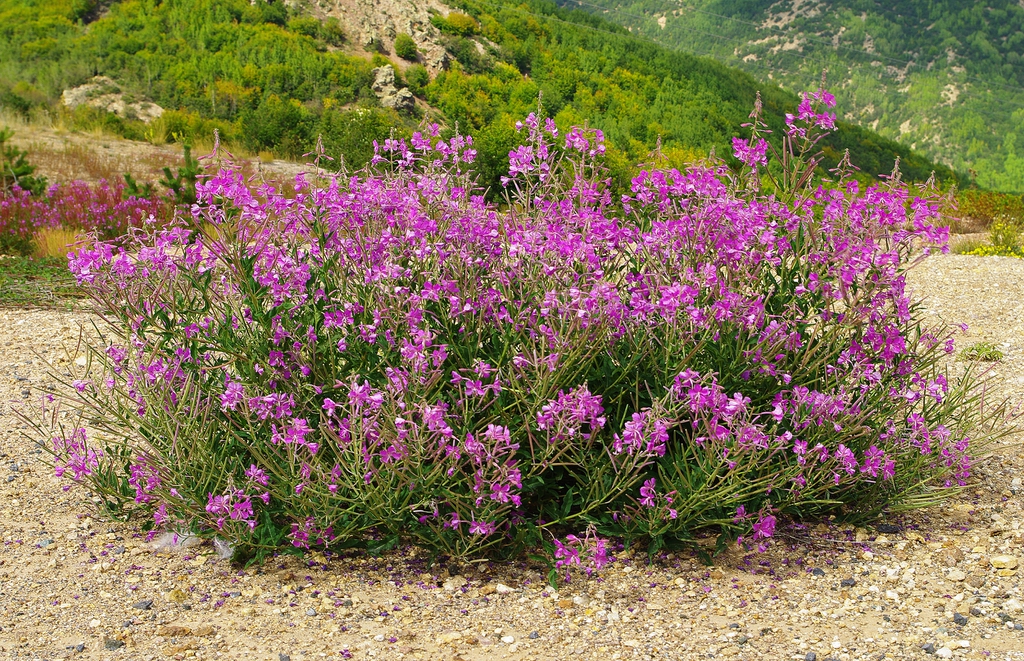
x: 981, y: 352
x: 37, y: 282
x: 54, y: 243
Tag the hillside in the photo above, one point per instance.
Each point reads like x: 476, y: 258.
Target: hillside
x: 945, y: 76
x: 273, y: 77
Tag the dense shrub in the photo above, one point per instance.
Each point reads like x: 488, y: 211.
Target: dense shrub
x: 418, y: 78
x: 405, y: 47
x: 105, y: 209
x: 388, y: 357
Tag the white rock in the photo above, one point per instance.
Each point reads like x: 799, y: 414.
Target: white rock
x: 956, y: 575
x: 1012, y: 606
x: 508, y: 640
x: 501, y: 588
x: 944, y: 653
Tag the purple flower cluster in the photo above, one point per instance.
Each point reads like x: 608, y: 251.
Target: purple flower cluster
x: 103, y: 208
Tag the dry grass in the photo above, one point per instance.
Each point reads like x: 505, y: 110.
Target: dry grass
x: 54, y: 242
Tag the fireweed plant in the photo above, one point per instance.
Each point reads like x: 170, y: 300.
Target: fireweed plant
x: 386, y: 357
x: 106, y: 209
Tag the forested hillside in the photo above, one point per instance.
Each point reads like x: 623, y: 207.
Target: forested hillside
x: 272, y: 78
x: 943, y: 76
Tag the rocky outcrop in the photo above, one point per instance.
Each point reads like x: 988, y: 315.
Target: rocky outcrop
x: 390, y: 96
x: 372, y: 22
x: 104, y: 94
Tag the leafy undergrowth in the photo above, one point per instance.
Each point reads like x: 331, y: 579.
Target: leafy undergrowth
x: 37, y: 282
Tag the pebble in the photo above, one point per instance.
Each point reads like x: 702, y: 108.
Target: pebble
x: 928, y: 648
x: 959, y: 619
x: 944, y: 653
x: 143, y: 605
x: 848, y: 582
x: 811, y: 656
x: 817, y: 571
x: 956, y: 575
x: 1003, y: 562
x: 508, y: 639
x: 311, y: 612
x: 112, y: 644
x: 534, y: 635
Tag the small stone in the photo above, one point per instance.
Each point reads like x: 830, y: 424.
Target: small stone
x: 956, y: 575
x: 454, y: 583
x: 928, y: 648
x: 533, y: 635
x: 975, y: 582
x: 959, y: 619
x: 508, y: 640
x: 311, y: 612
x: 1017, y: 626
x: 1003, y: 562
x: 817, y: 571
x: 944, y: 653
x: 143, y: 605
x: 501, y: 588
x: 283, y: 657
x: 811, y: 656
x: 346, y: 603
x: 1013, y: 606
x: 112, y: 644
x: 93, y: 623
x: 80, y: 647
x: 976, y: 612
x: 949, y: 557
x: 848, y: 582
x: 178, y: 596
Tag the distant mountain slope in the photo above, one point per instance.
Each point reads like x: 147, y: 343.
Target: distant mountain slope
x: 272, y: 77
x: 944, y: 76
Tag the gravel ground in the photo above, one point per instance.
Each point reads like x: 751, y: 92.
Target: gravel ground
x: 938, y: 583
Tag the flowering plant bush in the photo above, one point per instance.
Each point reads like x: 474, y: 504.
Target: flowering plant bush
x: 388, y: 357
x: 105, y: 209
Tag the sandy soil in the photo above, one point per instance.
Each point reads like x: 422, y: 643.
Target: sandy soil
x: 941, y: 581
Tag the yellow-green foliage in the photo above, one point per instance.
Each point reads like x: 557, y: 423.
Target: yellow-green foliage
x: 982, y: 351
x: 53, y: 242
x: 1005, y: 235
x: 270, y: 77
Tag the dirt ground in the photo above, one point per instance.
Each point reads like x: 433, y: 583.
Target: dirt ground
x: 940, y: 582
x: 63, y: 155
